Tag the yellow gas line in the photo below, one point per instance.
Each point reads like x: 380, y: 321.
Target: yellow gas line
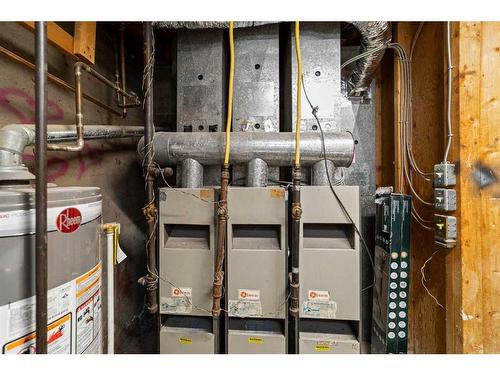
x: 298, y: 121
x: 230, y: 94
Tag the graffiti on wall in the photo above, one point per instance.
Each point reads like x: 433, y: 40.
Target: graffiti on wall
x: 21, y: 105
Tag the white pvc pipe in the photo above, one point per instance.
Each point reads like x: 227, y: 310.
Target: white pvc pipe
x: 110, y: 289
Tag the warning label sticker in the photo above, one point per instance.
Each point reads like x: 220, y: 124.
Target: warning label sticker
x: 58, y: 339
x: 17, y: 319
x: 319, y: 309
x: 185, y: 341
x: 88, y: 312
x: 322, y: 347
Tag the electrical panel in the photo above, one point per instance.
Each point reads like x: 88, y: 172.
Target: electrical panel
x: 329, y: 268
x: 186, y: 253
x: 256, y: 285
x: 392, y: 271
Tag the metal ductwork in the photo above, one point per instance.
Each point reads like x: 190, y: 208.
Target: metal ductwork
x: 276, y: 149
x: 16, y: 137
x: 373, y: 36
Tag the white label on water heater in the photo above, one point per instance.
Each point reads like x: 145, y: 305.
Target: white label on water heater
x: 74, y: 319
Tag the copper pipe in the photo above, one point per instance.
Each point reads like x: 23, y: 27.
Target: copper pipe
x: 79, y: 68
x: 221, y: 243
x: 122, y: 68
x: 121, y: 73
x: 58, y: 81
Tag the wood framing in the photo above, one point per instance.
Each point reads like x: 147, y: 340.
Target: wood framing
x: 84, y: 41
x: 81, y: 46
x: 426, y: 319
x: 56, y: 36
x: 473, y: 266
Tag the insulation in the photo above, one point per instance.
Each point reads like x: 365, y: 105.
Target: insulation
x: 373, y: 35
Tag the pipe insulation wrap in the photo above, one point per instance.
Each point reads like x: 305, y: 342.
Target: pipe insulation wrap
x: 276, y: 149
x: 373, y: 35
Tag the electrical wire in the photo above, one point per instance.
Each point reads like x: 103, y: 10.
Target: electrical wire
x: 362, y: 55
x: 298, y: 121
x: 448, y: 99
x: 423, y: 280
x: 314, y: 110
x: 230, y: 93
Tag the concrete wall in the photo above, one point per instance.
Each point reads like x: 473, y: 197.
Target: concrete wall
x: 110, y: 165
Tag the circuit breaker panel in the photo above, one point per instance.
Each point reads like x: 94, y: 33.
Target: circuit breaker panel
x: 329, y: 270
x: 186, y: 249
x: 256, y: 270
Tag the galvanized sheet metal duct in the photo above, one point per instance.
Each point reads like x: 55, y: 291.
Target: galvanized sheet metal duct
x: 276, y: 149
x: 373, y: 35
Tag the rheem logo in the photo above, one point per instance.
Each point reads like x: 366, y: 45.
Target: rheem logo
x: 69, y: 220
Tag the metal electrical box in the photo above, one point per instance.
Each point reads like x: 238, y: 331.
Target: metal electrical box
x: 186, y: 243
x: 256, y: 270
x: 329, y: 264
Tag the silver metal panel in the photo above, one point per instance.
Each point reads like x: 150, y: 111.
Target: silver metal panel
x: 175, y: 340
x: 323, y: 343
x: 255, y: 342
x: 320, y: 47
x: 256, y: 86
x: 257, y: 264
x: 200, y: 86
x: 186, y: 261
x: 324, y: 265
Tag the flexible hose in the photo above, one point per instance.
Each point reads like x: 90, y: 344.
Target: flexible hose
x: 230, y: 94
x: 299, y: 95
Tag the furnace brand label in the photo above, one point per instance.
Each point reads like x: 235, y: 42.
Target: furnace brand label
x: 181, y: 292
x: 69, y: 220
x: 249, y: 295
x: 318, y: 295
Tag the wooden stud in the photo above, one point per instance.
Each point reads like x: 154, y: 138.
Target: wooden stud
x: 84, y: 41
x: 56, y: 36
x: 474, y: 280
